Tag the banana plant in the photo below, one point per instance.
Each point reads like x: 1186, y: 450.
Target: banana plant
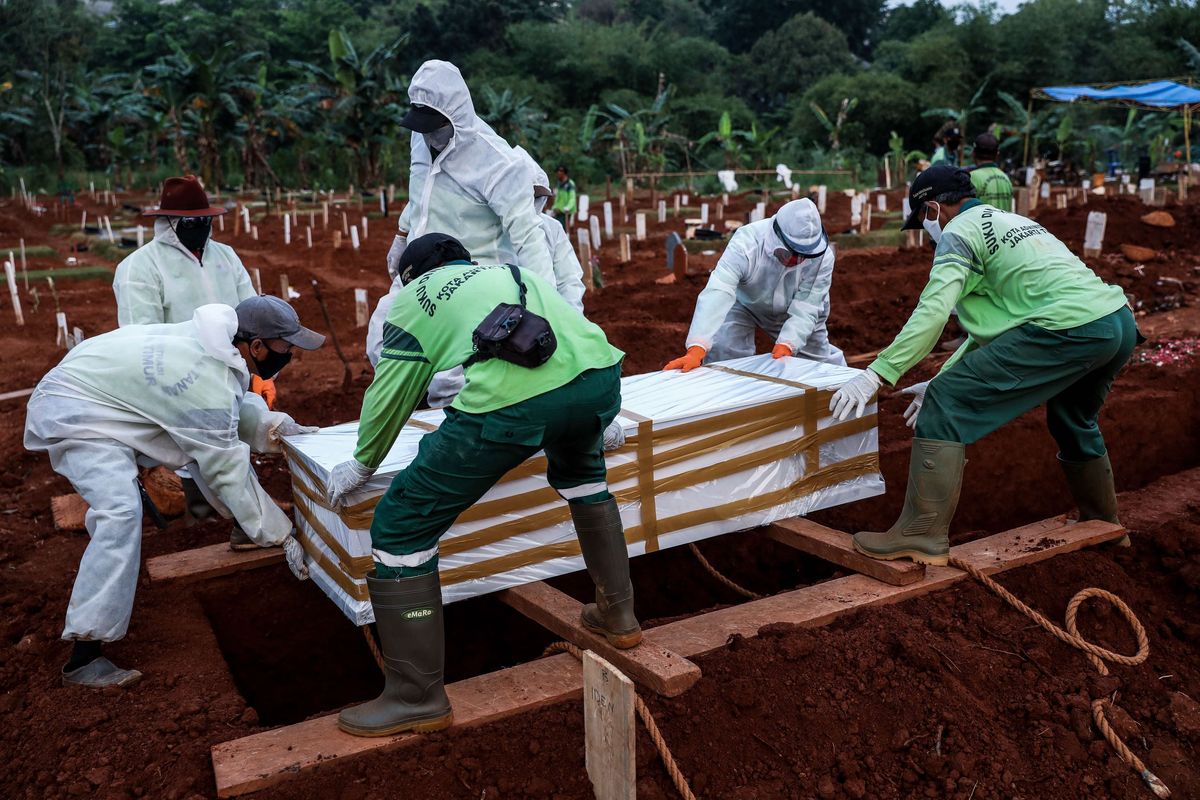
x: 511, y: 116
x: 834, y: 126
x: 364, y: 99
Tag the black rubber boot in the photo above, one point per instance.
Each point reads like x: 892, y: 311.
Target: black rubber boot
x: 602, y: 542
x: 922, y: 532
x: 1091, y: 484
x: 408, y: 617
x: 195, y: 503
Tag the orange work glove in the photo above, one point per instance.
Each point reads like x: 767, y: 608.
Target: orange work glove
x: 264, y: 388
x: 780, y: 351
x: 689, y: 362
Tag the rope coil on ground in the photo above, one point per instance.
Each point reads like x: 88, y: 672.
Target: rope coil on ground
x: 664, y: 751
x: 738, y: 588
x: 1095, y: 654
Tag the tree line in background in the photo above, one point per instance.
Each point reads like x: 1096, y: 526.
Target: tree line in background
x: 308, y: 92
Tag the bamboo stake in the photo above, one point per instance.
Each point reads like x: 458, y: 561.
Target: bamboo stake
x: 348, y: 377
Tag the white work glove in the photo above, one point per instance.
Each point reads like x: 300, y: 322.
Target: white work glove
x: 855, y: 395
x: 917, y: 391
x: 289, y: 427
x: 293, y: 551
x: 394, y: 253
x: 345, y: 478
x: 614, y: 436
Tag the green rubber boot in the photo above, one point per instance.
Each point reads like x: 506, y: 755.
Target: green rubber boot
x: 1091, y: 484
x: 602, y: 542
x: 408, y: 616
x: 922, y: 532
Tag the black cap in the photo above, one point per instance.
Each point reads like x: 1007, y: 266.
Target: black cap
x: 428, y: 252
x: 952, y: 133
x: 986, y: 145
x: 423, y: 119
x: 268, y: 317
x: 936, y: 180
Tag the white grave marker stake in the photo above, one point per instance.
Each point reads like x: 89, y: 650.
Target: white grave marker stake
x: 62, y: 337
x: 256, y: 275
x: 608, y: 220
x: 354, y: 236
x: 285, y: 288
x: 822, y: 191
x: 704, y: 213
x: 308, y: 236
x: 77, y: 335
x: 361, y: 313
x: 10, y: 273
x: 640, y: 223
x: 364, y: 228
x: 662, y: 210
x: 141, y: 235
x: 83, y: 221
x: 325, y: 214
x: 287, y: 229
x: 583, y: 208
x: 1093, y: 237
x: 881, y: 201
x: 594, y: 227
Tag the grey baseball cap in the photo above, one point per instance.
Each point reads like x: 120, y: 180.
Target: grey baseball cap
x: 268, y: 317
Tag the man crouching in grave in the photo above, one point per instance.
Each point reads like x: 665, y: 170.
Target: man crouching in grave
x: 551, y: 382
x: 170, y: 394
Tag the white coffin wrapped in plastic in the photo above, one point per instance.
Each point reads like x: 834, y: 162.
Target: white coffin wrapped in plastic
x: 719, y: 449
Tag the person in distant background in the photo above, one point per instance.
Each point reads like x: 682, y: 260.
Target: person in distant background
x: 992, y: 186
x: 947, y: 140
x: 565, y: 200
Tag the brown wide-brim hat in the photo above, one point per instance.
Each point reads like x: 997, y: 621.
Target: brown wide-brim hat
x: 184, y: 197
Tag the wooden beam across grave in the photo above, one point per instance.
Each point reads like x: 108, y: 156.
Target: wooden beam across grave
x: 838, y: 547
x: 658, y: 669
x: 212, y: 561
x: 263, y: 759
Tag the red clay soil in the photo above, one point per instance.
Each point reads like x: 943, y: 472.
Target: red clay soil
x: 852, y: 710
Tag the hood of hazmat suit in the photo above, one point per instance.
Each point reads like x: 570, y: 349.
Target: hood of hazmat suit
x: 568, y: 274
x: 171, y: 392
x: 794, y: 300
x: 477, y: 190
x: 162, y: 281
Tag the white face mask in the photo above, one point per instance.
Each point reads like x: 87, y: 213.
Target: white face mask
x: 539, y: 203
x: 933, y: 226
x: 439, y: 139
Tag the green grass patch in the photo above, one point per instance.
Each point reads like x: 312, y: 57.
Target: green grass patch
x: 881, y: 238
x: 109, y: 251
x: 35, y: 251
x: 78, y: 273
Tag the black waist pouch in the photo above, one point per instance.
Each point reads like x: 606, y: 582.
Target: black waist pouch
x: 514, y: 334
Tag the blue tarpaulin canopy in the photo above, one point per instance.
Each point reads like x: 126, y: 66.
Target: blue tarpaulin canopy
x: 1156, y: 95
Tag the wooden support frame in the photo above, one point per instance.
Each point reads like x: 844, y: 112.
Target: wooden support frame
x: 838, y: 547
x: 212, y: 561
x: 263, y: 759
x: 657, y: 668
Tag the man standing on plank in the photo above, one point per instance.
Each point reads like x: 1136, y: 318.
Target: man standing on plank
x: 1041, y: 328
x: 558, y: 397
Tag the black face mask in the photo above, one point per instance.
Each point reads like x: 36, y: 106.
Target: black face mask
x: 269, y: 367
x: 193, y: 232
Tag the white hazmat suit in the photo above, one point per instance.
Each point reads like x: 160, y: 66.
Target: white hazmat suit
x: 750, y: 288
x: 169, y: 394
x: 477, y: 190
x: 568, y: 274
x: 162, y: 281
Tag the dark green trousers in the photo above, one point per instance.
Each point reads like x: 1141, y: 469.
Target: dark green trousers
x: 1071, y: 371
x: 469, y: 454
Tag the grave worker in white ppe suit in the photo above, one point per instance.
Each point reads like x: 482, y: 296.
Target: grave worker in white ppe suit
x: 176, y: 272
x: 170, y: 394
x: 775, y: 275
x: 464, y: 181
x: 181, y: 268
x: 568, y: 274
